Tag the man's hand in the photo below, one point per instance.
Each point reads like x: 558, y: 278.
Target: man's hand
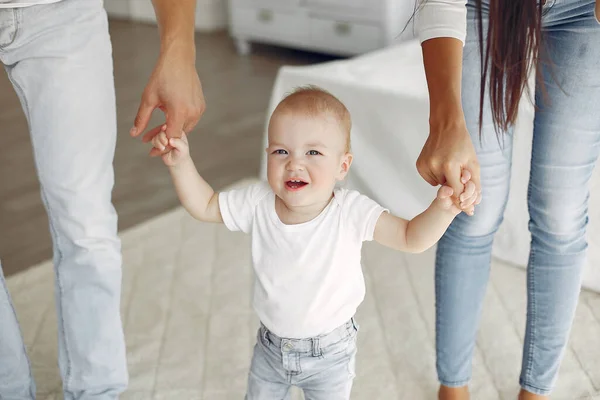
x: 174, y: 87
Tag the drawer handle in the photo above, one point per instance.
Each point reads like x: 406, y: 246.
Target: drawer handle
x: 265, y: 15
x: 342, y: 28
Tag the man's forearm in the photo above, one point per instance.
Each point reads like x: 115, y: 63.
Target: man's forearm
x: 176, y: 22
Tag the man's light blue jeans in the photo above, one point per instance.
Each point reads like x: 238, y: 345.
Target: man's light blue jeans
x: 59, y: 59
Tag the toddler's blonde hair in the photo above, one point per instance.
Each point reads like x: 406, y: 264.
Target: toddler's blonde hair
x: 314, y: 101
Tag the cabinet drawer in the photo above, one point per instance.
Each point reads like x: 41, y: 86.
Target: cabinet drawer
x: 356, y: 9
x: 276, y: 4
x: 270, y: 24
x: 345, y: 37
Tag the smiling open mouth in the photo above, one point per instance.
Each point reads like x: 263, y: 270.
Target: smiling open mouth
x: 295, y: 184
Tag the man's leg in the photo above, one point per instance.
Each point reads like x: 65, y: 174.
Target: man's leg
x: 16, y: 381
x: 60, y: 64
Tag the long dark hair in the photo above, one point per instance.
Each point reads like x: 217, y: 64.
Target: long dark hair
x: 508, y: 52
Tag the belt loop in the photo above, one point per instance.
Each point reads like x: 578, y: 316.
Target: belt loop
x: 265, y: 335
x: 316, y: 347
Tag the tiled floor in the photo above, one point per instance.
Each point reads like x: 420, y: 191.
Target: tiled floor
x: 190, y: 328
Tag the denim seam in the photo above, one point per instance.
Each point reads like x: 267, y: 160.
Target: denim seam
x: 531, y: 289
x: 67, y: 379
x: 535, y: 389
x: 19, y: 89
x: 12, y: 308
x: 348, y: 359
x: 298, y: 368
x: 437, y: 309
x: 53, y: 229
x: 462, y: 382
x: 438, y: 280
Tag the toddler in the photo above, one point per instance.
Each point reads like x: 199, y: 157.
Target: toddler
x: 307, y: 236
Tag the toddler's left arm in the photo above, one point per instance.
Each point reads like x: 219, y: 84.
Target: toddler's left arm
x: 423, y: 231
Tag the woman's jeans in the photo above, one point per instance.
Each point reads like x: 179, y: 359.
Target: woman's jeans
x: 566, y: 143
x: 59, y: 60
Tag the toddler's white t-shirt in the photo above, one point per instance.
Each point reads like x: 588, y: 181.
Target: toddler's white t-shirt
x: 309, y: 278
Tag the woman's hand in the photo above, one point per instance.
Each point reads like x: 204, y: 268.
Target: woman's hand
x: 446, y: 153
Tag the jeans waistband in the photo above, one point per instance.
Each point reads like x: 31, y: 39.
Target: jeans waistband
x: 313, y: 344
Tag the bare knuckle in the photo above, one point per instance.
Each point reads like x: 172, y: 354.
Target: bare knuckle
x: 449, y: 165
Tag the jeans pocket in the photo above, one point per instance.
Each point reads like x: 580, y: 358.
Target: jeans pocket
x: 351, y: 355
x: 8, y: 26
x: 337, y: 349
x: 262, y: 338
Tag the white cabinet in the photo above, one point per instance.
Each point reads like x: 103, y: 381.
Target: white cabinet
x: 342, y: 27
x: 287, y: 26
x: 211, y: 15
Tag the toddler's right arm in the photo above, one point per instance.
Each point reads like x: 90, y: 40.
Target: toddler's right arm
x: 195, y: 194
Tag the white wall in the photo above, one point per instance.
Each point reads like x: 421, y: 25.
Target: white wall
x: 210, y: 14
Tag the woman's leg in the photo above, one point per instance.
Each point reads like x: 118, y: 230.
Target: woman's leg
x: 464, y: 253
x: 566, y: 144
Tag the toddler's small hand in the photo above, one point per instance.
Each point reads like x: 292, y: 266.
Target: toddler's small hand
x: 467, y: 200
x: 179, y: 148
x: 444, y: 200
x: 160, y: 142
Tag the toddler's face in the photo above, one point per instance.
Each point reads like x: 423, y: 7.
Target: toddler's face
x: 306, y: 156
